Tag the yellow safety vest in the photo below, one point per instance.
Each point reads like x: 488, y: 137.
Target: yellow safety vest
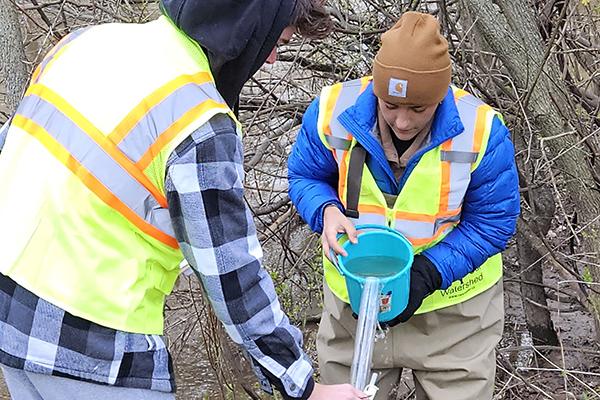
x: 86, y: 225
x: 429, y: 204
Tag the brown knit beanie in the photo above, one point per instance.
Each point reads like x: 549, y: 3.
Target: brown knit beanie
x: 413, y: 65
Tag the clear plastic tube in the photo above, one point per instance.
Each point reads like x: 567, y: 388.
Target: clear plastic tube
x: 365, y: 333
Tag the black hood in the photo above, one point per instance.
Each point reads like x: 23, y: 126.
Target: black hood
x: 237, y: 36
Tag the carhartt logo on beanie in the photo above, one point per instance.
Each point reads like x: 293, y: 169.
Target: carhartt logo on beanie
x: 412, y: 66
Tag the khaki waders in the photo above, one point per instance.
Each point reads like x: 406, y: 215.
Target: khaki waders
x: 451, y: 351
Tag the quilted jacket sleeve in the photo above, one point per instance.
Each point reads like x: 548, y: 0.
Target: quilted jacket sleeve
x: 312, y: 172
x: 489, y: 213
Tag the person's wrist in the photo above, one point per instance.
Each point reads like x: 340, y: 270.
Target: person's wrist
x: 329, y: 208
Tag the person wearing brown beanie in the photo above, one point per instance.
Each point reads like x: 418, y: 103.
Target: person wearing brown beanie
x: 412, y: 66
x: 407, y: 150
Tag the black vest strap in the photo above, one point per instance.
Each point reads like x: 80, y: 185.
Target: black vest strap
x: 353, y: 184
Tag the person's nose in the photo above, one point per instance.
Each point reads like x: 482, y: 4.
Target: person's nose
x: 273, y: 56
x: 402, y: 119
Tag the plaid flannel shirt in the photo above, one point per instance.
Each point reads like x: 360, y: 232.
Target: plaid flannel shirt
x: 216, y: 233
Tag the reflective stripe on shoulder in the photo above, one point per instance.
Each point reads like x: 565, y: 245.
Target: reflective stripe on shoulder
x: 55, y: 52
x: 333, y: 101
x: 161, y: 116
x: 96, y: 162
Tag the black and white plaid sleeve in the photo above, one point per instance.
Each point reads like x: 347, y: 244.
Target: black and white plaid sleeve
x: 216, y: 233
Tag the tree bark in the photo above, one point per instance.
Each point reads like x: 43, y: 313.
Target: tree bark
x: 12, y: 55
x: 510, y: 30
x: 533, y: 224
x: 536, y: 222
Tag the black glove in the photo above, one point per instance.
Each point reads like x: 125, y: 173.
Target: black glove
x: 424, y: 280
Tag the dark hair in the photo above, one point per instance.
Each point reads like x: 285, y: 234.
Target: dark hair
x: 312, y: 19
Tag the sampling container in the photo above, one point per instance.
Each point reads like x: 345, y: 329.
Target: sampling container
x: 383, y: 253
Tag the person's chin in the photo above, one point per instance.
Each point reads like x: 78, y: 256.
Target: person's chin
x: 405, y: 135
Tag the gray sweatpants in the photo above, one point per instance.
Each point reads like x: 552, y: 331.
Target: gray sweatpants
x: 31, y: 386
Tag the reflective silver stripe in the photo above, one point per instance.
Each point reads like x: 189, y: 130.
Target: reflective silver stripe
x: 454, y: 219
x: 423, y: 230
x: 415, y: 229
x: 345, y: 98
x: 462, y: 146
x: 158, y: 119
x: 338, y: 143
x: 466, y: 157
x: 97, y: 161
x: 369, y: 218
x: 66, y: 40
x: 410, y: 229
x: 467, y: 106
x: 460, y: 177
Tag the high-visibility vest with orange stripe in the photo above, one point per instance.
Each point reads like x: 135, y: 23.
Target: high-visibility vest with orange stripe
x: 84, y: 214
x: 429, y: 205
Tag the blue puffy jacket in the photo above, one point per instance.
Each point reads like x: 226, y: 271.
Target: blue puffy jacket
x: 490, y: 207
